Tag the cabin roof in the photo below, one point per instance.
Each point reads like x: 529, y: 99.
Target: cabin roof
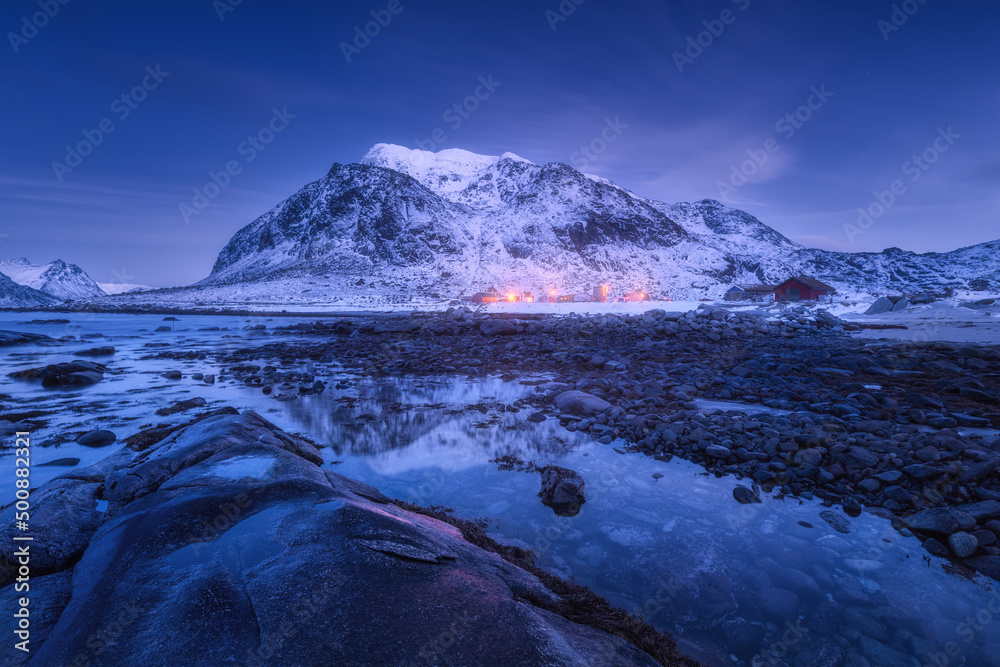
x: 811, y: 282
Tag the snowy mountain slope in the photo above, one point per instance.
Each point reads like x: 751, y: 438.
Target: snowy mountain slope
x: 122, y: 288
x: 14, y: 295
x: 974, y: 268
x: 62, y: 280
x: 417, y: 223
x: 445, y: 172
x: 515, y: 225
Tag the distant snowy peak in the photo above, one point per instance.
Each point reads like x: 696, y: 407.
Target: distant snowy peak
x: 446, y: 172
x: 122, y: 288
x: 62, y: 280
x: 709, y: 218
x: 14, y: 295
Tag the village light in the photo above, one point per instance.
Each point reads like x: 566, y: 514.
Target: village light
x: 511, y: 297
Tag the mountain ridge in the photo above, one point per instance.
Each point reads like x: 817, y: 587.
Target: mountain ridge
x: 57, y: 278
x: 450, y: 222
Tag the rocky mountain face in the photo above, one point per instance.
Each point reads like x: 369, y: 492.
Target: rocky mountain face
x: 59, y: 279
x: 13, y: 295
x: 418, y: 222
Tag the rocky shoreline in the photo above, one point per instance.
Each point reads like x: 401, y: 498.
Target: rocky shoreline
x: 812, y: 412
x: 225, y: 542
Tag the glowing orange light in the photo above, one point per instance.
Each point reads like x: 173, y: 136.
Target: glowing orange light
x: 511, y: 297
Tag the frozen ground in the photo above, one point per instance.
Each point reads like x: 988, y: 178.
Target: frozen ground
x: 943, y: 320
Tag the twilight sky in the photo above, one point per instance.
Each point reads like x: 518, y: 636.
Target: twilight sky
x: 907, y: 97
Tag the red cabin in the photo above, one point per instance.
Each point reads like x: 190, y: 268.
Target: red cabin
x: 802, y: 288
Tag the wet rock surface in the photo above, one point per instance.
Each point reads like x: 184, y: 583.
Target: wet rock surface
x: 72, y: 374
x: 98, y: 438
x: 227, y: 527
x: 20, y: 337
x: 562, y: 490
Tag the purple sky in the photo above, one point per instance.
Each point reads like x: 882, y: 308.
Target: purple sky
x: 865, y: 96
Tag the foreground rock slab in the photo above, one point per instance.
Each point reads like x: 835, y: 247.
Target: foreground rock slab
x: 20, y: 337
x: 72, y: 374
x: 227, y: 543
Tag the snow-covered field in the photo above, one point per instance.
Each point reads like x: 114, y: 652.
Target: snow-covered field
x: 943, y: 320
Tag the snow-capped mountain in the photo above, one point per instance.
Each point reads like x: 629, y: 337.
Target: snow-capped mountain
x: 13, y: 295
x: 415, y: 222
x: 62, y: 280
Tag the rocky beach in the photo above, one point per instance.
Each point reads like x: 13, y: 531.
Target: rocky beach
x: 785, y: 408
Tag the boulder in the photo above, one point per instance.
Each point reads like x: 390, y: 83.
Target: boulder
x: 229, y: 530
x: 562, y: 490
x: 20, y: 337
x: 900, y: 306
x: 67, y: 462
x: 96, y: 352
x: 744, y: 495
x: 881, y: 305
x: 718, y: 452
x: 580, y: 403
x: 963, y: 544
x: 497, y: 328
x: 181, y: 406
x: 860, y: 457
x: 982, y: 511
x: 939, y: 520
x: 988, y: 565
x: 98, y: 438
x: 71, y: 374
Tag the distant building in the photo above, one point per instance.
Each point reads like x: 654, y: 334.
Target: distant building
x: 573, y: 298
x: 484, y: 297
x: 734, y: 293
x: 638, y: 295
x: 600, y: 294
x: 750, y: 293
x: 802, y: 288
